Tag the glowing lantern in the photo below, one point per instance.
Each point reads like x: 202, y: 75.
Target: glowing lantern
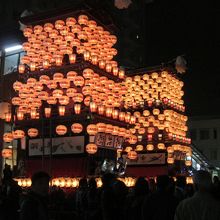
x: 61, y: 129
x: 51, y: 100
x: 150, y: 147
x: 86, y: 55
x: 109, y: 128
x: 91, y: 148
x: 170, y: 150
x: 115, y: 71
x: 57, y: 93
x: 108, y: 112
x: 101, y: 109
x: 102, y: 64
x: 64, y: 83
x: 72, y: 58
x: 17, y: 85
x: 44, y: 79
x: 62, y: 110
x: 71, y: 75
x: 151, y: 130
x: 87, y: 73
x: 93, y: 106
x: 115, y: 114
x: 7, y: 137
x: 21, y: 68
x: 139, y: 147
x: 64, y: 100
x: 132, y: 120
x: 7, y: 153
x: 121, y: 74
x: 18, y: 134
x: 47, y: 112
x: 20, y: 115
x: 156, y: 111
x: 8, y: 117
x: 161, y: 146
x: 170, y: 160
x: 58, y: 61
x: 108, y: 67
x: 133, y: 139
x: 46, y: 64
x: 115, y: 130
x: 78, y: 81
x: 121, y: 116
x: 101, y: 127
x: 76, y: 128
x: 128, y: 149
x: 92, y: 129
x: 132, y: 155
x: 33, y: 113
x: 71, y: 92
x: 77, y: 108
x: 78, y: 97
x: 32, y: 132
x: 57, y: 77
x: 141, y: 130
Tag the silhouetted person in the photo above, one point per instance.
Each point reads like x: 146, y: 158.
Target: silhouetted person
x: 152, y: 185
x: 180, y: 188
x: 136, y: 198
x: 108, y: 204
x: 162, y: 203
x: 216, y: 187
x: 10, y: 194
x: 81, y: 198
x: 93, y: 199
x: 34, y: 205
x: 201, y: 206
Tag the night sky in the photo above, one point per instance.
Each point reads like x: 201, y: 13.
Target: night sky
x: 172, y: 28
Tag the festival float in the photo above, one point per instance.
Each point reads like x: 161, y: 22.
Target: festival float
x: 78, y: 113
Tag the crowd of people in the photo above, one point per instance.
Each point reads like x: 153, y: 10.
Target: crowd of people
x: 147, y: 200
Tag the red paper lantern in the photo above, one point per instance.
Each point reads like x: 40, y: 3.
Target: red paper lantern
x: 76, y: 128
x: 92, y: 129
x: 61, y: 129
x: 132, y: 155
x: 91, y: 148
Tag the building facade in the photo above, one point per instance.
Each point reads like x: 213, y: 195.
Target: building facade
x: 205, y: 134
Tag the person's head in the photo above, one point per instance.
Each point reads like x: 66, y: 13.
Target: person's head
x: 181, y: 181
x: 141, y: 186
x: 40, y: 183
x: 108, y: 179
x: 83, y: 183
x: 163, y: 182
x: 202, y: 180
x: 92, y: 183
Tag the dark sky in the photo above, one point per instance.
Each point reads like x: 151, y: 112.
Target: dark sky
x: 172, y: 28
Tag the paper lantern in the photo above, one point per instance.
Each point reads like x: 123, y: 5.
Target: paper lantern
x: 121, y: 74
x: 33, y: 113
x: 150, y: 147
x: 57, y: 77
x: 108, y: 112
x: 133, y: 139
x: 76, y: 128
x: 161, y: 146
x: 121, y: 116
x: 115, y: 113
x: 132, y: 155
x: 61, y: 129
x: 101, y: 127
x: 132, y: 119
x: 47, y: 112
x: 170, y: 150
x: 151, y: 130
x: 109, y: 128
x: 64, y: 100
x: 8, y: 117
x: 79, y: 81
x: 170, y: 160
x: 72, y: 58
x: 20, y: 115
x: 17, y: 134
x: 7, y: 153
x: 51, y: 100
x: 32, y: 132
x: 139, y: 147
x: 92, y: 129
x: 156, y: 111
x: 77, y: 108
x: 21, y: 68
x: 16, y: 101
x: 101, y: 109
x: 8, y: 137
x: 61, y: 110
x: 93, y: 106
x: 91, y: 148
x: 115, y: 130
x: 141, y: 130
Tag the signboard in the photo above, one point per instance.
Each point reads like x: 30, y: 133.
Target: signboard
x: 108, y: 141
x: 60, y: 145
x: 147, y: 159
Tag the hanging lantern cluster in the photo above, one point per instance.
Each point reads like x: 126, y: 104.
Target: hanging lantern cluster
x: 47, y: 44
x: 155, y: 89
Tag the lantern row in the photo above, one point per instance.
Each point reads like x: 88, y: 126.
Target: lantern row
x: 47, y: 45
x: 156, y: 88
